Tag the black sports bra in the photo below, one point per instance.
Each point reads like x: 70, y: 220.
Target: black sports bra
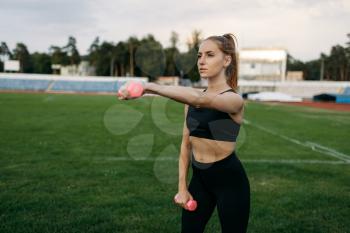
x: 211, y: 123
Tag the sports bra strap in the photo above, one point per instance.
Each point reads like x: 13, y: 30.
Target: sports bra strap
x: 227, y: 91
x: 223, y: 91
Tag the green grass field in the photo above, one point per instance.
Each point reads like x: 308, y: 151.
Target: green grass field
x: 72, y: 163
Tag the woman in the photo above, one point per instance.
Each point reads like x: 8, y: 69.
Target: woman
x: 212, y: 122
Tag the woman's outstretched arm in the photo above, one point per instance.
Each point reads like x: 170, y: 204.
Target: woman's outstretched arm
x: 186, y: 95
x: 226, y: 102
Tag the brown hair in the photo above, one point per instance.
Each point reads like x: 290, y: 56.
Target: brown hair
x: 228, y: 46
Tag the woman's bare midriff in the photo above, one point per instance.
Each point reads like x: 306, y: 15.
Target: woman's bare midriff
x: 208, y: 150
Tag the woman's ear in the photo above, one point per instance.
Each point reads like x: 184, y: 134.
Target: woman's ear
x: 228, y: 60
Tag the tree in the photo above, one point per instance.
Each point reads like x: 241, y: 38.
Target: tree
x: 95, y: 45
x: 72, y: 51
x: 312, y: 70
x: 121, y: 58
x: 347, y: 51
x: 93, y: 51
x: 104, y: 57
x: 58, y: 56
x: 294, y: 64
x: 174, y: 39
x: 5, y: 54
x: 191, y: 55
x: 132, y: 44
x: 194, y: 41
x: 149, y: 58
x: 21, y: 53
x: 41, y: 63
x: 171, y: 53
x: 336, y: 65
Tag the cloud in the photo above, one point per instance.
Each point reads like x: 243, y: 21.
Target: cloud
x: 40, y: 24
x: 305, y: 28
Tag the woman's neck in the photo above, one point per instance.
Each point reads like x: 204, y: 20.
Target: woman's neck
x: 217, y: 83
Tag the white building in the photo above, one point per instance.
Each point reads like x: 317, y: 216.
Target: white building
x: 268, y: 64
x: 12, y: 66
x: 83, y: 69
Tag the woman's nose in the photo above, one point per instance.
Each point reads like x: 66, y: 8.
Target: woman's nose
x: 201, y: 60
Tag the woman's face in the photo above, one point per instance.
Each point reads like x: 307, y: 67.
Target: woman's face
x: 211, y: 60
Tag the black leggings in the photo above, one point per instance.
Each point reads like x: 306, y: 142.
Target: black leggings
x: 223, y: 183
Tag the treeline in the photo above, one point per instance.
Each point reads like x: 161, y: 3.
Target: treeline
x: 133, y: 57
x: 147, y: 57
x: 332, y: 67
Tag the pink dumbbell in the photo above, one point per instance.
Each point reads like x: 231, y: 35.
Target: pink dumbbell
x: 135, y: 89
x: 191, y: 205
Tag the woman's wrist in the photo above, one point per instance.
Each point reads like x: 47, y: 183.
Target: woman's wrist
x: 182, y: 187
x: 150, y: 87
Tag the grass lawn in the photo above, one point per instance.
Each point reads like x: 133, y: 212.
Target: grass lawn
x: 74, y: 163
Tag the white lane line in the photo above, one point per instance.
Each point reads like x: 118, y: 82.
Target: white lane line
x: 293, y: 161
x: 282, y: 161
x: 320, y: 148
x: 311, y: 145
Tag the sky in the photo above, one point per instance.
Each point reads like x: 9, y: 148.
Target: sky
x: 304, y: 28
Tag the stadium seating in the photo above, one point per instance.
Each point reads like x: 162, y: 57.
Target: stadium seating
x: 81, y: 86
x: 334, y: 97
x: 24, y: 84
x: 60, y: 85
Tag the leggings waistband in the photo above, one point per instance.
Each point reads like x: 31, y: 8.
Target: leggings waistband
x: 202, y: 165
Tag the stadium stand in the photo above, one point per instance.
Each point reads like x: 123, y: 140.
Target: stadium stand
x: 64, y: 84
x: 24, y: 84
x: 334, y: 97
x: 85, y: 86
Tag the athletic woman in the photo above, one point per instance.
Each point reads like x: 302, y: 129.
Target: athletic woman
x: 212, y: 121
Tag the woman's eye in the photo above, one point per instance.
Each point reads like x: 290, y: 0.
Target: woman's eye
x: 209, y: 55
